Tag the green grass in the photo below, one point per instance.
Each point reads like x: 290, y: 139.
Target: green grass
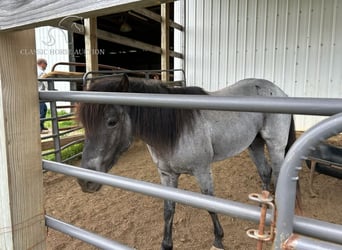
x: 66, y: 153
x: 61, y: 124
x: 69, y: 151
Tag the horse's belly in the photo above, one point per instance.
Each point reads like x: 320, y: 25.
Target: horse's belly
x: 233, y: 135
x: 223, y: 151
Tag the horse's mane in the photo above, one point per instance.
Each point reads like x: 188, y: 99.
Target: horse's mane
x: 159, y: 127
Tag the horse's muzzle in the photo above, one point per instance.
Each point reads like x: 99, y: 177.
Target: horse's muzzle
x: 88, y: 186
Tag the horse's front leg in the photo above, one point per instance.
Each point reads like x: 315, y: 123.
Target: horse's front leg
x: 171, y: 180
x: 169, y: 211
x: 207, y: 187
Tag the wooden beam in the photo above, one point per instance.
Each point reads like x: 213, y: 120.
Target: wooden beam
x: 165, y: 41
x: 107, y: 36
x: 154, y: 16
x: 36, y: 13
x: 90, y: 40
x: 111, y: 37
x: 22, y: 224
x: 114, y: 38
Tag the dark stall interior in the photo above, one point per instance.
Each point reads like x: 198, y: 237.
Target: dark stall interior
x: 132, y: 25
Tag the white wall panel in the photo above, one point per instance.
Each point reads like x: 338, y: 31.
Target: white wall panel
x: 52, y: 45
x: 297, y: 44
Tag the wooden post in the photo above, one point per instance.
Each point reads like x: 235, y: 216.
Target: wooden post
x: 22, y: 224
x: 90, y: 38
x: 165, y: 40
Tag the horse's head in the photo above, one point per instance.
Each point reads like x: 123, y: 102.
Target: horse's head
x: 108, y: 134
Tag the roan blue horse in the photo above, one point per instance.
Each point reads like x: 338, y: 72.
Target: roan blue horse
x: 184, y: 140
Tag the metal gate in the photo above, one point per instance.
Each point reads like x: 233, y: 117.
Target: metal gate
x: 292, y: 232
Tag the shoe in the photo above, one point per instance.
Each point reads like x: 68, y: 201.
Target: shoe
x: 44, y: 131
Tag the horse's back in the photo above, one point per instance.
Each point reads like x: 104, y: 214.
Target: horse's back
x: 251, y: 87
x: 233, y: 132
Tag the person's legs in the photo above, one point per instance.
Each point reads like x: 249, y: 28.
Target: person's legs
x: 43, y: 110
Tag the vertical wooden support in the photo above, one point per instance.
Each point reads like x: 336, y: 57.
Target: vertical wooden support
x: 90, y: 38
x: 22, y: 224
x: 165, y: 40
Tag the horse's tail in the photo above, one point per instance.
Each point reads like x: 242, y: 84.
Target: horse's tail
x: 292, y: 135
x: 290, y: 141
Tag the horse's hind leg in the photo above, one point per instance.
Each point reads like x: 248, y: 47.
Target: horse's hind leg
x: 206, y: 184
x: 257, y: 153
x: 170, y: 180
x: 276, y: 135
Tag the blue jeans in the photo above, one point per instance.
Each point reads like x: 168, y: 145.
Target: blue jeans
x: 43, y: 109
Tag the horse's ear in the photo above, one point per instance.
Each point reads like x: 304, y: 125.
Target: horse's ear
x: 124, y: 83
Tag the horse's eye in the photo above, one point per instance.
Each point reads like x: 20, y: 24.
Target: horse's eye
x: 112, y: 122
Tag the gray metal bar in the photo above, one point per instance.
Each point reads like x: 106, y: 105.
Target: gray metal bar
x: 286, y: 187
x: 72, y: 143
x: 308, y: 106
x: 84, y: 235
x: 54, y: 121
x: 306, y: 226
x: 304, y: 243
x: 314, y: 228
x: 146, y: 73
x: 198, y: 200
x: 72, y: 157
x: 62, y: 79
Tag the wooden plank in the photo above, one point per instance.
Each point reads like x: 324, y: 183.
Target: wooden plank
x: 90, y: 41
x: 165, y: 41
x: 154, y: 16
x: 111, y: 37
x: 22, y: 224
x: 107, y: 36
x: 150, y: 14
x: 35, y: 13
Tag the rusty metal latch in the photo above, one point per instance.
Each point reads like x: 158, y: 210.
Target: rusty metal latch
x: 259, y: 234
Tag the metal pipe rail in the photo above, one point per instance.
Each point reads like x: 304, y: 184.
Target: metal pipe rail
x: 310, y: 227
x: 304, y: 243
x: 61, y: 79
x: 285, y: 200
x: 84, y: 235
x: 291, y: 105
x: 145, y: 73
x: 72, y: 157
x: 77, y: 64
x: 287, y: 223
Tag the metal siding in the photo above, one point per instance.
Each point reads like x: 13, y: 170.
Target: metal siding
x: 297, y: 44
x: 215, y: 43
x: 222, y: 72
x: 207, y: 43
x: 232, y: 43
x: 179, y: 39
x: 52, y: 44
x: 199, y: 43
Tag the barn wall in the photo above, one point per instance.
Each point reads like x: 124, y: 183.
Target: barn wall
x: 297, y: 44
x: 52, y: 44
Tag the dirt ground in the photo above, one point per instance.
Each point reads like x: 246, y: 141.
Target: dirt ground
x: 137, y: 220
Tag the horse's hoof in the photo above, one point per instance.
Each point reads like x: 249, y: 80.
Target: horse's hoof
x: 215, y: 248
